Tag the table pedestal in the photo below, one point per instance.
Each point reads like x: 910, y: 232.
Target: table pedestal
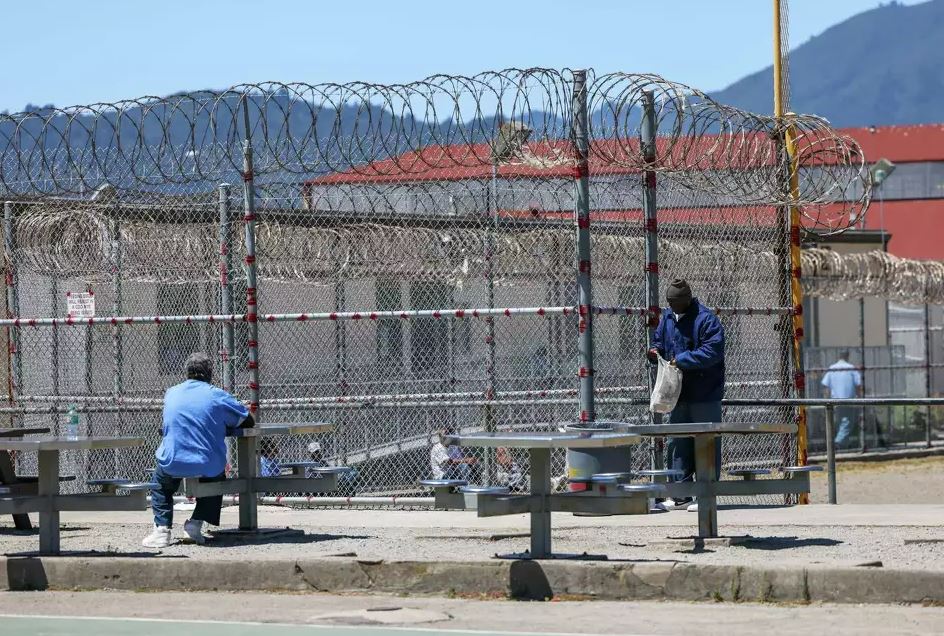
x: 48, y: 486
x: 706, y: 472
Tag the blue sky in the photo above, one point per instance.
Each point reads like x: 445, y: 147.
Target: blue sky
x: 67, y: 52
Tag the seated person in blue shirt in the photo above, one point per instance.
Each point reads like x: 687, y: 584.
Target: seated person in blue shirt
x: 269, y: 458
x: 197, y: 416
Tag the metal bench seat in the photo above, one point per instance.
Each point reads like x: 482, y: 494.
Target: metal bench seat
x: 114, y: 485
x: 650, y: 489
x: 301, y: 464
x: 611, y: 478
x: 789, y: 470
x: 443, y: 483
x: 485, y: 490
x: 33, y: 479
x: 331, y: 470
x: 749, y: 473
x: 665, y: 472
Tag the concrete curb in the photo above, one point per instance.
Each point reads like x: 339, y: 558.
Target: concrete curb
x: 512, y: 579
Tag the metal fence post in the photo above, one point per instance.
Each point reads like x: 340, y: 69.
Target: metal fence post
x: 490, y: 370
x: 863, y: 446
x: 249, y: 222
x: 248, y: 519
x: 831, y: 452
x: 651, y: 228
x: 226, y: 290
x: 13, y: 302
x: 927, y: 373
x: 116, y: 343
x: 54, y: 348
x: 340, y: 326
x: 226, y: 302
x: 581, y: 136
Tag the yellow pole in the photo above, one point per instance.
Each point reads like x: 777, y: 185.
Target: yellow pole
x: 796, y: 292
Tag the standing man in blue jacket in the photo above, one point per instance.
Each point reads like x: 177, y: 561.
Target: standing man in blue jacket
x: 691, y: 337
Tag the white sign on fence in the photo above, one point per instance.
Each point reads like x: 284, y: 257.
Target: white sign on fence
x: 80, y: 304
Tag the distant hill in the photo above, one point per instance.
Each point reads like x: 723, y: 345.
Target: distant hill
x: 882, y: 67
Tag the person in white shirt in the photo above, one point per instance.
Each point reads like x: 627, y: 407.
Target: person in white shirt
x: 843, y: 382
x: 449, y: 462
x: 438, y: 458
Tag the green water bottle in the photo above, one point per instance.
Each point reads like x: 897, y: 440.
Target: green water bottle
x: 72, y: 423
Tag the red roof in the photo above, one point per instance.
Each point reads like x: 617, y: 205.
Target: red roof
x: 900, y: 144
x: 909, y: 222
x: 553, y: 159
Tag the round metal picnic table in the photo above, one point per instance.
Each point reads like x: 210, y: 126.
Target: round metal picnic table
x: 539, y: 445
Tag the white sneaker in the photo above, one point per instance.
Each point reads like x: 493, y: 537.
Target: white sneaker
x: 159, y: 538
x: 693, y: 507
x: 194, y: 530
x: 668, y: 504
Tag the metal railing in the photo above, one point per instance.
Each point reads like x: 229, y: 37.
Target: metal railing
x: 830, y: 406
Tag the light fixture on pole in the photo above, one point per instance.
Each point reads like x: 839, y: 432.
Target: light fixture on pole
x: 879, y: 172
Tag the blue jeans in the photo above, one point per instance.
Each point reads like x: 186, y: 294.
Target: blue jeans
x: 458, y: 471
x: 682, y: 449
x: 162, y: 500
x: 844, y: 416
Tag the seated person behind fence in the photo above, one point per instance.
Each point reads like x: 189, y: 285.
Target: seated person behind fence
x: 197, y: 416
x: 843, y: 382
x: 316, y: 458
x: 449, y: 462
x: 346, y: 480
x: 509, y: 471
x: 268, y: 458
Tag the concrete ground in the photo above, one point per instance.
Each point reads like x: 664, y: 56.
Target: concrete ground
x: 902, y: 481
x: 898, y: 536
x: 114, y: 613
x: 908, y: 532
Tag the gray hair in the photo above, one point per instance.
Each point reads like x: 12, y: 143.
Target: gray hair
x: 199, y: 367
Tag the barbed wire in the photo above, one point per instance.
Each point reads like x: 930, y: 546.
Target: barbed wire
x: 441, y: 128
x: 828, y: 274
x: 68, y: 241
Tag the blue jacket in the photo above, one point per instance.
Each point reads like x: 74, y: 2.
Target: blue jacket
x: 697, y: 344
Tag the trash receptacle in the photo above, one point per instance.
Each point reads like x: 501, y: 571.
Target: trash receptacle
x: 589, y: 461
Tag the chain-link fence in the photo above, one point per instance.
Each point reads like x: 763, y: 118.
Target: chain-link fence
x: 909, y: 367
x: 401, y: 260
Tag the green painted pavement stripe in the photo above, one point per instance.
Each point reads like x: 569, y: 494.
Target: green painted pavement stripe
x: 108, y: 626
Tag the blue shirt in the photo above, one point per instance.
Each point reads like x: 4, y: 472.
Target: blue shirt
x: 842, y: 379
x: 196, y: 418
x: 269, y: 467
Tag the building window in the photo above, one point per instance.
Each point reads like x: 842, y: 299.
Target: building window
x: 176, y: 341
x: 389, y: 331
x: 429, y: 337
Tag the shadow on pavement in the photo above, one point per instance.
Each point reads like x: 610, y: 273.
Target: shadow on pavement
x: 786, y: 543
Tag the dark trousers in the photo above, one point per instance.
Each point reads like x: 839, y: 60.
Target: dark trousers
x: 162, y: 501
x: 682, y: 449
